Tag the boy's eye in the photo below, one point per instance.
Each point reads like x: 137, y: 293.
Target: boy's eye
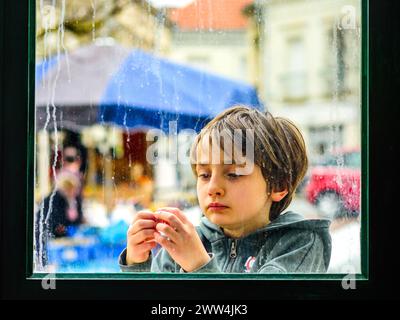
x: 204, y: 175
x: 233, y: 175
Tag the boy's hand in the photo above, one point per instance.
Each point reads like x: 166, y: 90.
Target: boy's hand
x: 140, y: 237
x: 181, y: 239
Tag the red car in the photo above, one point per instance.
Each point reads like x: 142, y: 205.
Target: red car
x: 335, y: 185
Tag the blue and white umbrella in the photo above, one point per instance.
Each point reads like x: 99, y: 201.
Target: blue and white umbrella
x: 132, y: 89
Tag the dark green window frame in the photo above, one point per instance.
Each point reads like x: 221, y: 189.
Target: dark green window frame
x: 17, y: 42
x: 168, y: 276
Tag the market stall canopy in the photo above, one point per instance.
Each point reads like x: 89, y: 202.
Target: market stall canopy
x: 132, y: 89
x: 69, y: 87
x: 148, y: 91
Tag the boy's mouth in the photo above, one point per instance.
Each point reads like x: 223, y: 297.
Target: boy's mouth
x: 216, y: 206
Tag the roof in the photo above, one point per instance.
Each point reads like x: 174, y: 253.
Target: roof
x: 214, y: 15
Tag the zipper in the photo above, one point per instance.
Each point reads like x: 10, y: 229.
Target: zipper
x: 233, y: 253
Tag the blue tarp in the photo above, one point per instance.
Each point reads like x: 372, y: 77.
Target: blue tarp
x: 148, y: 91
x: 88, y: 248
x: 43, y: 67
x: 135, y: 89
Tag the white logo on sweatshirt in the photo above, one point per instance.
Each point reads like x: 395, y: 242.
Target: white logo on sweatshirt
x: 249, y: 263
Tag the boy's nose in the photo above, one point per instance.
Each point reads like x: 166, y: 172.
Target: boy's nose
x: 215, y: 188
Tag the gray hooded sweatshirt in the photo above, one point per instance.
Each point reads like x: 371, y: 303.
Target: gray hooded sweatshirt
x: 289, y: 244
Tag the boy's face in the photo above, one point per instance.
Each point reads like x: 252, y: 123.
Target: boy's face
x: 232, y: 198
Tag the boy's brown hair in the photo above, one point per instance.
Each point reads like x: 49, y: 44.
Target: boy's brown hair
x: 279, y: 148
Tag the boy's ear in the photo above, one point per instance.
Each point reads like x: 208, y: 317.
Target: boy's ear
x: 277, y: 196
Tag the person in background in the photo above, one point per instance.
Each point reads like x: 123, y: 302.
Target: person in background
x: 71, y: 163
x: 71, y: 166
x: 58, y: 214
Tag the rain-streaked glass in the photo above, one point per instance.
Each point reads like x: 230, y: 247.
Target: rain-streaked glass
x: 127, y: 85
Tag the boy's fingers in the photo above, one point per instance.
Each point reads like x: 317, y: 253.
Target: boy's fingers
x: 143, y: 235
x: 141, y: 225
x: 168, y: 231
x: 143, y: 214
x: 170, y: 218
x: 176, y: 212
x: 164, y: 242
x: 145, y: 246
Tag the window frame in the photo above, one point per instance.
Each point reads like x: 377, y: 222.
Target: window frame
x: 364, y: 275
x: 27, y: 19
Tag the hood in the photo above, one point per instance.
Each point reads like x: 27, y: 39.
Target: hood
x: 284, y: 222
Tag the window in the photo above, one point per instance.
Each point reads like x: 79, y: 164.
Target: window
x: 322, y: 139
x: 295, y: 80
x: 118, y: 106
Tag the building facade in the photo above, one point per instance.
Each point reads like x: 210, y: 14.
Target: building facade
x: 311, y: 69
x: 213, y: 36
x: 63, y: 26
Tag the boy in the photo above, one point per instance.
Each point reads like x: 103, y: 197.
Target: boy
x: 242, y: 198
